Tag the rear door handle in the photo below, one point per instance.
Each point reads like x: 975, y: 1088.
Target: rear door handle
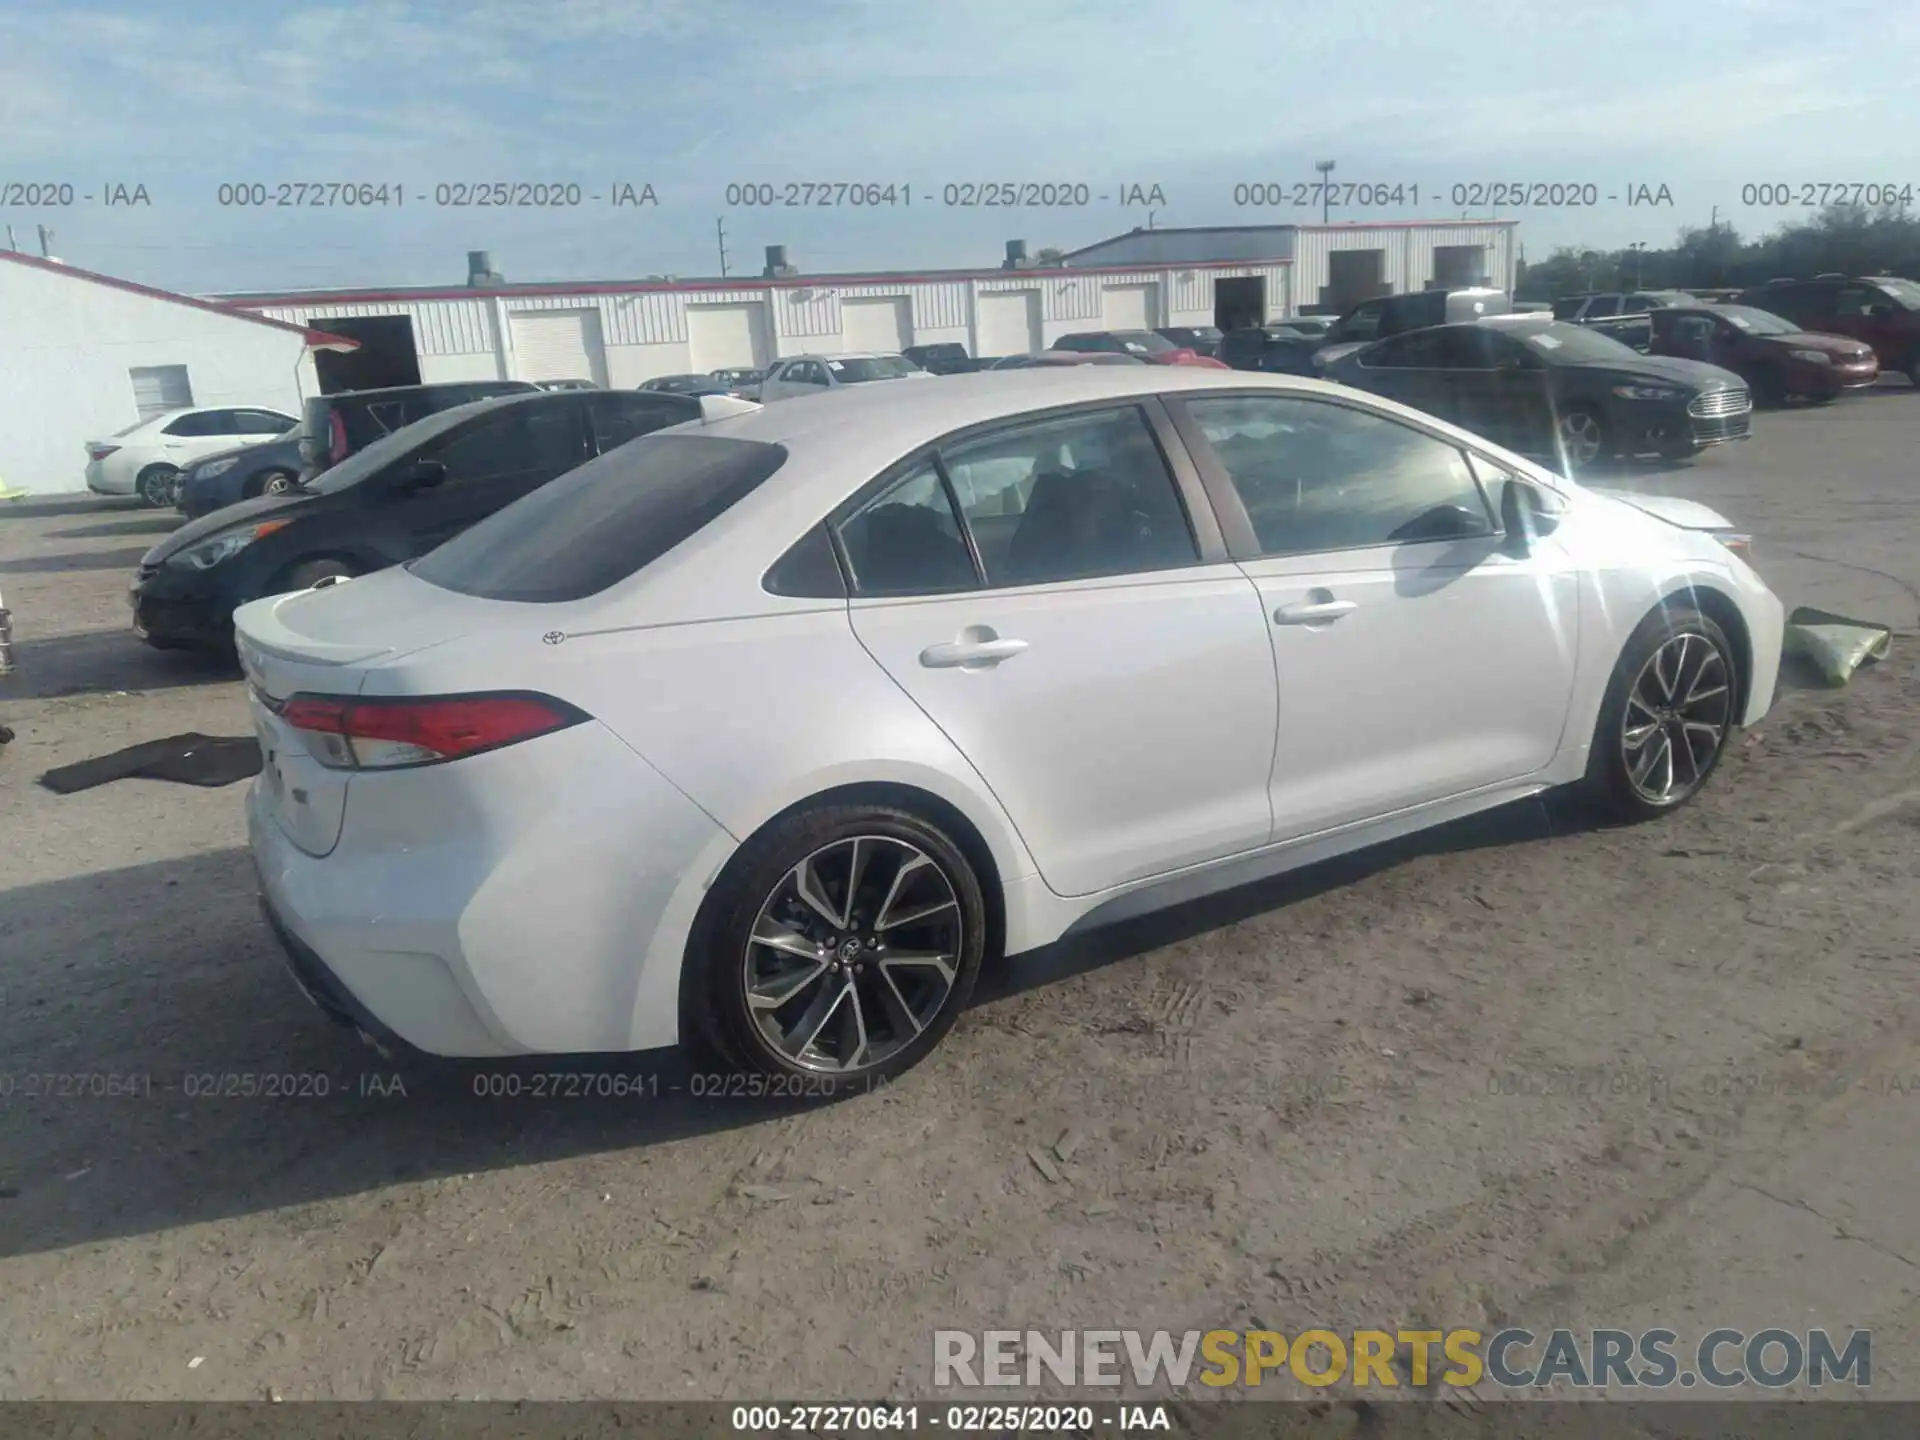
x: 1316, y: 613
x: 970, y: 654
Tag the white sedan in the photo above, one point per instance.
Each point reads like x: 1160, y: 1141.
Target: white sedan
x: 148, y: 457
x: 822, y: 374
x: 774, y: 732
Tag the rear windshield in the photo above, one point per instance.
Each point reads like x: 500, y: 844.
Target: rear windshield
x: 595, y: 526
x: 370, y: 417
x: 1903, y: 291
x: 880, y: 367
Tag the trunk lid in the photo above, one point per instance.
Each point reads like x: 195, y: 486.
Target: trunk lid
x: 323, y: 642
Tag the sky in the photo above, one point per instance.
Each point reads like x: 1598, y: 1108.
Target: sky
x: 1198, y: 97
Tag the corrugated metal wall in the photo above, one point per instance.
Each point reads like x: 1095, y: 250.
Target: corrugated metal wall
x: 440, y: 327
x: 803, y: 315
x: 1408, y: 252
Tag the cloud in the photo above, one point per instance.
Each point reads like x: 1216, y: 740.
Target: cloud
x: 691, y: 94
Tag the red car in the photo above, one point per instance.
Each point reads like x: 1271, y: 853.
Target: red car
x: 1141, y: 344
x: 1774, y: 356
x: 1878, y: 309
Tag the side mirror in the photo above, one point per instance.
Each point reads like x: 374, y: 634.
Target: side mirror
x: 1523, y: 515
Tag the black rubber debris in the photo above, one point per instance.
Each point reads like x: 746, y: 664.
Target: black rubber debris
x: 190, y: 759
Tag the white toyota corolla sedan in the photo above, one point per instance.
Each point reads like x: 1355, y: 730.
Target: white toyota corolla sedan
x: 772, y: 731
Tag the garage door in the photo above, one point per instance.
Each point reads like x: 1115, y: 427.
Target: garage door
x: 160, y: 388
x: 1009, y: 322
x: 559, y: 345
x: 885, y: 325
x: 1129, y: 307
x: 728, y: 337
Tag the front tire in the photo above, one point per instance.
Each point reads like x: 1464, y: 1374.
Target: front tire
x: 305, y: 576
x: 1583, y: 438
x: 839, y: 949
x: 274, y: 482
x: 1667, y: 716
x: 157, y: 485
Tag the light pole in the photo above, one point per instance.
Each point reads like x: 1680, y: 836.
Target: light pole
x: 1325, y: 167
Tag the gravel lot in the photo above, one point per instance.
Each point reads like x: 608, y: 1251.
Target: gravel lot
x: 1335, y: 1100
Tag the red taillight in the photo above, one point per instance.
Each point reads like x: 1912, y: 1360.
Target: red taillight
x: 337, y: 438
x: 100, y: 452
x: 355, y: 734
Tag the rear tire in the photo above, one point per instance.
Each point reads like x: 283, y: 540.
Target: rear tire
x: 1668, y: 715
x: 853, y: 991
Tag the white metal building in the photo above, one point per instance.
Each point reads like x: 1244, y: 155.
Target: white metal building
x: 620, y: 333
x: 1333, y: 266
x: 84, y: 355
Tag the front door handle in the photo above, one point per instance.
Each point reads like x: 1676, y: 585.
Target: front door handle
x: 971, y: 653
x: 1313, y: 613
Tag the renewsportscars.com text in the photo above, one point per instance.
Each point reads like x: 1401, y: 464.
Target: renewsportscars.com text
x: 1513, y: 1358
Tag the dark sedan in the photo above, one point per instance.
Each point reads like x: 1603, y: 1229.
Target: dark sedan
x: 383, y: 505
x: 235, y: 475
x: 684, y: 385
x: 1280, y: 347
x: 1554, y: 391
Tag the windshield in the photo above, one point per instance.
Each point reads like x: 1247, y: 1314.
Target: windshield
x: 1573, y: 342
x: 390, y: 447
x: 1756, y: 322
x: 1905, y: 293
x: 879, y: 367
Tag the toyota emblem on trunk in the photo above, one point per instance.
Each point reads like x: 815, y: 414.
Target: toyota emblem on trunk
x: 554, y: 637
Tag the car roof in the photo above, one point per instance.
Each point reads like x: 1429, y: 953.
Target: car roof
x: 847, y: 355
x: 840, y: 440
x: 871, y: 426
x: 428, y: 388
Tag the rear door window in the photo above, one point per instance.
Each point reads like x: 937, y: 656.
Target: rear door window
x: 520, y: 440
x: 609, y: 519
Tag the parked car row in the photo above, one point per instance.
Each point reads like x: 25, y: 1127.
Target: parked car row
x: 386, y: 501
x: 149, y: 456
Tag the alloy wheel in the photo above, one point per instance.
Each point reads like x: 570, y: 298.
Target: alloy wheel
x: 1580, y: 434
x: 158, y: 486
x: 278, y: 483
x: 1678, y: 710
x: 854, y: 954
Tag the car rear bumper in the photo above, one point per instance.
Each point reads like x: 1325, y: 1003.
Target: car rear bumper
x: 533, y: 900
x: 102, y: 481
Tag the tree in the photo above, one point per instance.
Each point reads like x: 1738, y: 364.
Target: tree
x: 1843, y: 239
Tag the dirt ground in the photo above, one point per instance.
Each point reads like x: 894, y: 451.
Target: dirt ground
x: 1521, y: 1070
